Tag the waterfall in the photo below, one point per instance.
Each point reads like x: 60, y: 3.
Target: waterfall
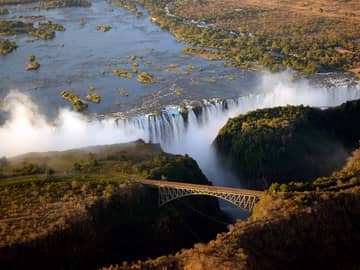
x: 171, y: 127
x: 193, y: 133
x: 179, y: 130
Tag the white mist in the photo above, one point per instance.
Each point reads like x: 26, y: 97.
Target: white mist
x: 27, y: 130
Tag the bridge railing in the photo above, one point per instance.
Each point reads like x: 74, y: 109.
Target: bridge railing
x: 169, y: 191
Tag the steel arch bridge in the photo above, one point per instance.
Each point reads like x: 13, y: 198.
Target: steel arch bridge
x: 170, y: 191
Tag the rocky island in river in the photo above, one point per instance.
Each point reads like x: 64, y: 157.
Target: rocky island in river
x: 245, y: 113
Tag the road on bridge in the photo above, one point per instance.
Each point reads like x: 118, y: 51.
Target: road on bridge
x: 180, y: 185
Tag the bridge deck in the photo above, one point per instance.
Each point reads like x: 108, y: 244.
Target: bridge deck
x: 180, y: 185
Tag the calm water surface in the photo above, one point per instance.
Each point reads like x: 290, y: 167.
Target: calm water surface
x: 74, y: 59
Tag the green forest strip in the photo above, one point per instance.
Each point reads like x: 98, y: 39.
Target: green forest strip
x: 316, y: 44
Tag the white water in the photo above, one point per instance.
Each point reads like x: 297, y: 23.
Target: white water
x: 28, y: 131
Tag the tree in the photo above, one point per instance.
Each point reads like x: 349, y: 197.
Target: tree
x: 3, y: 162
x: 311, y: 67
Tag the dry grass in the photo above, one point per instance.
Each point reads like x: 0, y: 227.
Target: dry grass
x: 314, y: 33
x: 35, y: 205
x: 267, y: 16
x: 302, y: 230
x: 39, y: 208
x: 287, y: 10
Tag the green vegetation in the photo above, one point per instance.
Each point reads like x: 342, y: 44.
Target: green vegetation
x: 289, y: 143
x: 93, y: 97
x: 254, y: 34
x: 145, y: 77
x: 77, y: 102
x: 64, y: 3
x: 7, y: 46
x: 347, y: 177
x: 80, y: 203
x: 9, y: 28
x: 209, y: 55
x: 32, y: 66
x: 32, y: 17
x: 3, y: 11
x: 122, y: 73
x: 52, y: 26
x: 88, y: 202
x: 298, y: 223
x: 122, y: 162
x: 129, y: 5
x: 135, y: 63
x: 103, y: 27
x: 43, y: 33
x: 44, y: 30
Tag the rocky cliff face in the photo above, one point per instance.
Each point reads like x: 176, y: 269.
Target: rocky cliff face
x: 287, y: 231
x: 127, y: 226
x: 313, y: 229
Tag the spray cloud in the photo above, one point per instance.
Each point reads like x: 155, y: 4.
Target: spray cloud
x: 27, y: 130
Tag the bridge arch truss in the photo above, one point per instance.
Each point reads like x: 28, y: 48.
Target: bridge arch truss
x: 241, y: 200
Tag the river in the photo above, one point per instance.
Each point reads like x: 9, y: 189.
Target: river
x: 75, y: 58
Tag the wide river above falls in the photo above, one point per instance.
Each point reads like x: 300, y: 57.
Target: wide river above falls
x: 77, y: 57
x: 82, y: 56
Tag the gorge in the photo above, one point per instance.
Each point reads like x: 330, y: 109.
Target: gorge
x: 242, y: 94
x: 179, y: 130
